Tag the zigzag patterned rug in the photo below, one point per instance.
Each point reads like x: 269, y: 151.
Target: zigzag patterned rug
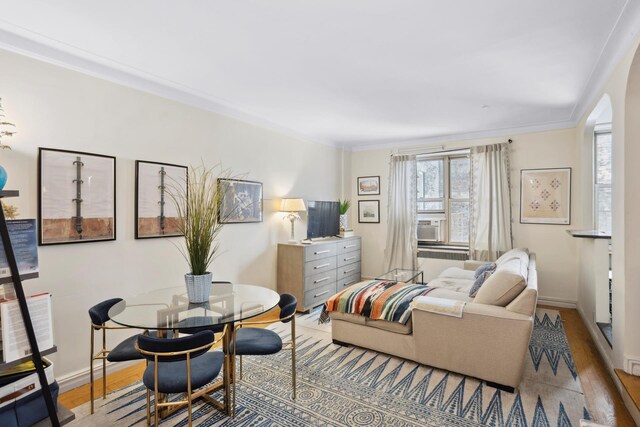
x: 350, y: 386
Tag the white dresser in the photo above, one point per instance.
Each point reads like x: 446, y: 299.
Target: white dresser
x: 315, y: 272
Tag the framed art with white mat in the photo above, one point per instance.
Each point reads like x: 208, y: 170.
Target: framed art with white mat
x: 545, y: 196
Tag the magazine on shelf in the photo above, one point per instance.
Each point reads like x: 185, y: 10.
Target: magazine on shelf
x: 15, y: 343
x: 24, y: 240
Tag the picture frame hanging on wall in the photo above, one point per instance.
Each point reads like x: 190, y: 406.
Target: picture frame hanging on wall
x: 76, y: 197
x: 241, y: 202
x: 368, y: 186
x: 545, y: 196
x: 155, y: 212
x: 369, y: 211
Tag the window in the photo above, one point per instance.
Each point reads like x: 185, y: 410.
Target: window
x: 443, y: 195
x: 602, y: 178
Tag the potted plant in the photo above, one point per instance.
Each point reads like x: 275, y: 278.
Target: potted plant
x: 344, y: 220
x: 198, y: 207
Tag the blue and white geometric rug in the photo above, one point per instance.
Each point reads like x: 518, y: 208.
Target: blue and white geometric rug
x: 350, y: 386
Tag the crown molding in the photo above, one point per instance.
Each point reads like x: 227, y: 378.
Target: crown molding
x: 48, y: 50
x: 623, y: 36
x: 456, y: 137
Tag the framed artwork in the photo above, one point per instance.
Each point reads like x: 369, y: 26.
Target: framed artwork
x: 368, y: 186
x: 369, y: 211
x: 241, y: 201
x: 155, y: 212
x: 545, y: 196
x: 76, y: 197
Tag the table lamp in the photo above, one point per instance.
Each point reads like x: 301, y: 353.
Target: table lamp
x: 292, y: 207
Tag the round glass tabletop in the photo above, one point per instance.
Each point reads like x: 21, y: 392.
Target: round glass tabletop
x: 170, y: 308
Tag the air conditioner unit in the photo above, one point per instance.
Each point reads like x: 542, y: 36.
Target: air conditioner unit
x: 429, y: 231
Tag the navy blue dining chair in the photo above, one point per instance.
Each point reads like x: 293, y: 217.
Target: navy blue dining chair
x: 122, y: 352
x: 179, y: 365
x: 260, y: 342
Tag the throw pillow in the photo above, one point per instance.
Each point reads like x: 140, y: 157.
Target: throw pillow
x: 489, y: 266
x: 479, y: 282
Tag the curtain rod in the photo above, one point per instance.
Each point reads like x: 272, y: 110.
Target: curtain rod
x: 434, y: 149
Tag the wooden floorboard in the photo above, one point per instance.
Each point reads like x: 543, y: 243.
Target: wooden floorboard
x: 602, y: 398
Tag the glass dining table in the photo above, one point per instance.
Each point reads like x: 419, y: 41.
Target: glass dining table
x: 169, y: 312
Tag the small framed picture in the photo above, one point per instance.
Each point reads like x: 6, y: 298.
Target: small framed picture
x: 156, y: 214
x: 369, y: 211
x: 241, y: 202
x: 545, y: 196
x: 76, y: 197
x: 368, y: 186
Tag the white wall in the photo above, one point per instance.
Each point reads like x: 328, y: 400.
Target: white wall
x: 58, y: 108
x: 555, y: 249
x: 624, y: 237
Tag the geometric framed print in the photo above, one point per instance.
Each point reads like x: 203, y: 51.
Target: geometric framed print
x: 155, y: 213
x: 241, y: 201
x: 76, y: 197
x: 545, y: 196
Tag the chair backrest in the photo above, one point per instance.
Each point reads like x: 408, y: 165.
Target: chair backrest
x: 99, y: 313
x: 150, y: 346
x: 287, y: 306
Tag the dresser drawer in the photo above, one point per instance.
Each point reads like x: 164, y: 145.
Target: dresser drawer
x: 318, y: 280
x: 347, y: 281
x: 348, y: 245
x: 319, y: 266
x: 318, y: 296
x: 348, y: 258
x: 348, y: 270
x: 323, y: 250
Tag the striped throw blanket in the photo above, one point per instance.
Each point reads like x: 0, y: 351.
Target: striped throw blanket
x: 377, y: 300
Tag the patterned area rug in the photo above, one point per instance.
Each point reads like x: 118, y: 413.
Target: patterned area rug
x: 350, y: 386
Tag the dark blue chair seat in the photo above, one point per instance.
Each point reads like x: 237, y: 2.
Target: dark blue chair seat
x: 172, y: 376
x: 256, y: 342
x: 124, y: 351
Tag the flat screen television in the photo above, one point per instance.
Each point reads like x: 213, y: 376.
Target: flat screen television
x: 323, y: 219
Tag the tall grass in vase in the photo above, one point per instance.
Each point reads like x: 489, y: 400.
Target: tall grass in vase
x: 198, y: 206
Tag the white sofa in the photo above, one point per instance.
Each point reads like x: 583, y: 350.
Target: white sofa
x: 489, y: 342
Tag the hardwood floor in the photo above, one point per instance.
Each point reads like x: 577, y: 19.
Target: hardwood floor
x: 603, y: 400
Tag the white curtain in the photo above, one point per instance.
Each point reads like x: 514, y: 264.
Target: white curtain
x: 490, y: 233
x: 402, y: 241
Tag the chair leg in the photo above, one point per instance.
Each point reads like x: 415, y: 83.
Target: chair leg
x: 104, y: 365
x: 235, y: 379
x: 189, y: 387
x: 91, y: 369
x: 293, y: 356
x: 240, y: 367
x: 148, y: 407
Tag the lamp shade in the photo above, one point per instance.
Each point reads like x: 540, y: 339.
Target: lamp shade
x: 293, y: 205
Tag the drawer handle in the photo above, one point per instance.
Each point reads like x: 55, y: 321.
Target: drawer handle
x: 322, y: 266
x: 350, y: 283
x: 322, y: 252
x: 349, y: 271
x: 350, y: 258
x: 349, y: 246
x: 320, y: 294
x: 321, y: 280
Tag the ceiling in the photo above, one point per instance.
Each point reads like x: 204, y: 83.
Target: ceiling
x: 358, y: 73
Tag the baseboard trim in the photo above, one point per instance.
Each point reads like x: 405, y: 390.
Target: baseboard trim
x: 557, y: 302
x: 632, y: 365
x: 81, y: 377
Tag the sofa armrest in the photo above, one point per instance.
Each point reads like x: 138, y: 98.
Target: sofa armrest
x: 488, y: 342
x: 472, y: 264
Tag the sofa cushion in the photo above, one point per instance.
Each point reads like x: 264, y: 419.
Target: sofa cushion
x: 520, y: 253
x: 396, y: 327
x: 450, y: 294
x: 458, y: 285
x: 457, y: 273
x: 504, y: 285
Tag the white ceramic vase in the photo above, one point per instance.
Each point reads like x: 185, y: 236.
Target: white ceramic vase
x: 344, y: 222
x: 198, y: 287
